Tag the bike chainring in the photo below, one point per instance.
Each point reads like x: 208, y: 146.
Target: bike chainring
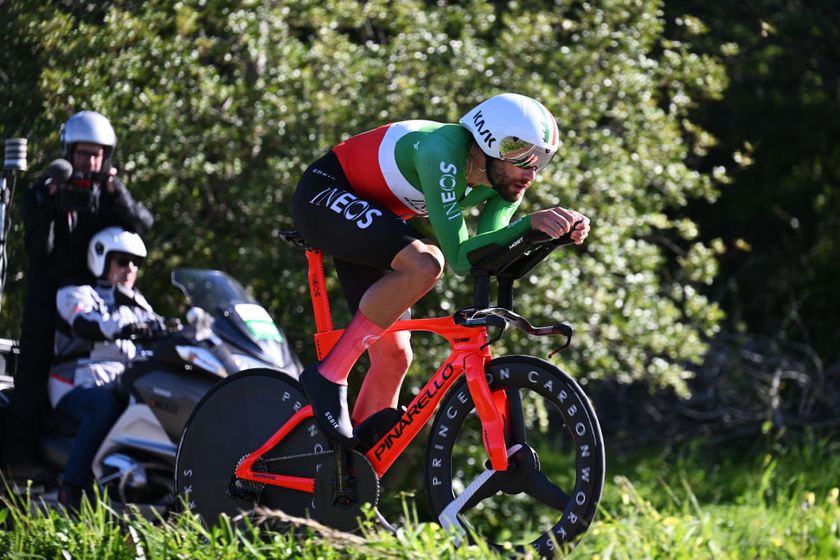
x: 362, y: 487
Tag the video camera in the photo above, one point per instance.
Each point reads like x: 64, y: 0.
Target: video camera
x: 75, y: 189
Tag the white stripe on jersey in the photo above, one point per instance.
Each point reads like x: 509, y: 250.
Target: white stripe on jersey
x: 395, y: 180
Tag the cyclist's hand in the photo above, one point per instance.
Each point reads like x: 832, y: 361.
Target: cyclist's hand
x: 580, y: 230
x: 558, y: 221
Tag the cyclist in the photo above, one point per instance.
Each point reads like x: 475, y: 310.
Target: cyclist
x: 57, y: 230
x: 92, y: 348
x: 353, y: 204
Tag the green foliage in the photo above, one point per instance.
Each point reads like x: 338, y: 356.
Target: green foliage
x: 780, y: 503
x: 219, y: 106
x: 780, y: 138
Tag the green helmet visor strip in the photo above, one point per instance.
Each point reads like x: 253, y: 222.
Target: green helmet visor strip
x: 524, y: 154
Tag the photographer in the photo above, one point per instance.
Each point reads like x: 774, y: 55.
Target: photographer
x: 96, y: 323
x: 78, y: 196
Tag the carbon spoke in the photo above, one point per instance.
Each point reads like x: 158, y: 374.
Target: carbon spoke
x: 539, y: 487
x: 516, y: 418
x: 486, y: 490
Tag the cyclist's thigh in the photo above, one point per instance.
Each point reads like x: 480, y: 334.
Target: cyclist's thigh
x: 333, y: 218
x: 355, y: 279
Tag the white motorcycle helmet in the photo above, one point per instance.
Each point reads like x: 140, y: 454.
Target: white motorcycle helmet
x: 514, y: 128
x: 88, y: 126
x: 112, y: 240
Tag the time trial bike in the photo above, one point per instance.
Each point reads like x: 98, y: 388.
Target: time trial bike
x: 514, y: 456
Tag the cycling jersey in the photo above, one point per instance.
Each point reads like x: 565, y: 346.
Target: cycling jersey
x: 417, y: 168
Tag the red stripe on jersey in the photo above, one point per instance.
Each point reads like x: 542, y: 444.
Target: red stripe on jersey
x: 359, y: 158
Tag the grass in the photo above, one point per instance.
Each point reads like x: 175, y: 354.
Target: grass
x: 777, y: 504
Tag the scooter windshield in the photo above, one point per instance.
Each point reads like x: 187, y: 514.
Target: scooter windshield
x: 209, y: 289
x: 239, y: 319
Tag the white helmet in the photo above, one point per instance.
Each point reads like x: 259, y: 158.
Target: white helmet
x: 515, y: 128
x: 88, y: 126
x: 112, y: 240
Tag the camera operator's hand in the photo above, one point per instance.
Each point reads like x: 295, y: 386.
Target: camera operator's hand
x: 110, y: 185
x: 58, y: 173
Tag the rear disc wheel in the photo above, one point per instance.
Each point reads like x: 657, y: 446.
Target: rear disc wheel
x: 234, y: 419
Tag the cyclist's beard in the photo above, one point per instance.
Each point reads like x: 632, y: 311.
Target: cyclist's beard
x: 501, y: 184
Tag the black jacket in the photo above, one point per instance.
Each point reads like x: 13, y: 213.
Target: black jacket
x: 57, y: 241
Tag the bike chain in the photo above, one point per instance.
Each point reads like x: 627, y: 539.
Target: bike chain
x: 252, y: 490
x: 300, y: 456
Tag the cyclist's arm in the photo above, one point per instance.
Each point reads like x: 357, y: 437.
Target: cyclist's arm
x: 496, y: 214
x: 442, y: 180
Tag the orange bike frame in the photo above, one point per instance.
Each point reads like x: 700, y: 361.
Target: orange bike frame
x: 469, y: 353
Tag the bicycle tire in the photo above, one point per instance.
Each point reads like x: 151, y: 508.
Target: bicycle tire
x: 232, y: 420
x: 456, y: 458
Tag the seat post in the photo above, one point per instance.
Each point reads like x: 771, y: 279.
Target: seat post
x: 318, y: 290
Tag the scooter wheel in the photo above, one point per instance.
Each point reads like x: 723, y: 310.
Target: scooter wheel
x: 232, y: 420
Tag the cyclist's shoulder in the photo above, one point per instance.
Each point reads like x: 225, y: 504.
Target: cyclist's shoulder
x: 433, y: 131
x: 433, y: 138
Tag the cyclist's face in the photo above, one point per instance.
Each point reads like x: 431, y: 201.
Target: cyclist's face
x: 509, y: 180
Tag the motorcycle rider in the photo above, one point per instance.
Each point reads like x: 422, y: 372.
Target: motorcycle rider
x: 57, y: 230
x: 92, y: 347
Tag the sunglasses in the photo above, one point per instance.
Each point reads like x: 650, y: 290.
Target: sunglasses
x: 524, y: 154
x: 124, y: 260
x: 88, y: 154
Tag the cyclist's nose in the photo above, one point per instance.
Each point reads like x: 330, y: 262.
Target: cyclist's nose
x: 529, y: 173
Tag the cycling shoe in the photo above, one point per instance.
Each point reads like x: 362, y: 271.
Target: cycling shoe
x: 375, y: 426
x: 329, y: 406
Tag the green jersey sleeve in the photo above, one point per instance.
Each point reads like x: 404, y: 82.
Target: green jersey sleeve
x: 441, y: 171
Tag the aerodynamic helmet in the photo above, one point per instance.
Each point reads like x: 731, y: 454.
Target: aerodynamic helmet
x: 514, y: 128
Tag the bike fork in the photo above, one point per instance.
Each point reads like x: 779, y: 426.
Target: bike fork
x: 491, y: 410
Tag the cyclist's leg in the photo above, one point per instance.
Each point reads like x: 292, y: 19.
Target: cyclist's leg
x: 390, y: 356
x: 333, y: 218
x: 414, y: 271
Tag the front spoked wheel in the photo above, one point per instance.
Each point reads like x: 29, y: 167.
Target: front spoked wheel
x: 550, y: 492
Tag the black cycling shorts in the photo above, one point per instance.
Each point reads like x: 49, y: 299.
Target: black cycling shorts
x: 362, y: 236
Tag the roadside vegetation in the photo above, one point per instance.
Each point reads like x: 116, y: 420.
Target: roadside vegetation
x: 782, y: 503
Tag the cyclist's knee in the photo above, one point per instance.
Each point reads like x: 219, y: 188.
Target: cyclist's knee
x: 430, y: 266
x: 421, y: 260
